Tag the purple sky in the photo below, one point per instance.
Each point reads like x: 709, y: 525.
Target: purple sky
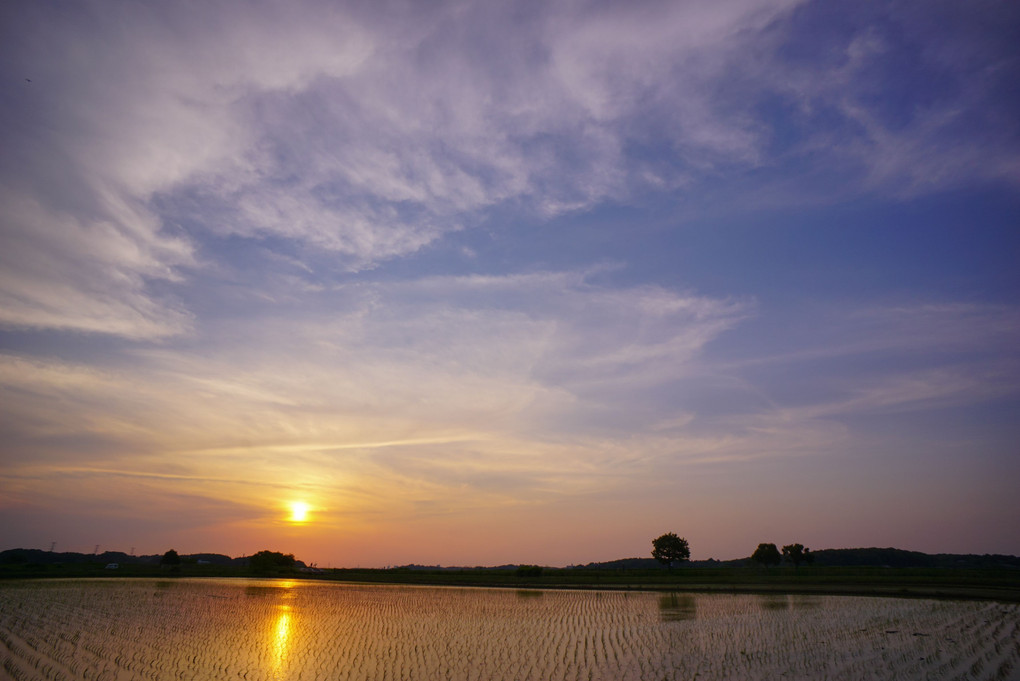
x: 488, y: 282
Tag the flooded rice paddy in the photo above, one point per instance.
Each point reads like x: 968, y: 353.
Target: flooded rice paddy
x: 121, y: 630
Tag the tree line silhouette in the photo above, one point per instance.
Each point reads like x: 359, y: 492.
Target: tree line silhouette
x: 670, y: 549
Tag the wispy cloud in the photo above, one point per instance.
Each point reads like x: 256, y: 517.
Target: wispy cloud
x: 452, y: 393
x: 372, y: 134
x: 429, y: 385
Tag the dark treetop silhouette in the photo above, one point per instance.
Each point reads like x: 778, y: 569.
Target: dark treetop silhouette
x: 170, y: 558
x: 766, y: 554
x: 669, y: 549
x: 797, y: 554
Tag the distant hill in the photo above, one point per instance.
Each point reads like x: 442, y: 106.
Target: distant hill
x: 40, y: 557
x: 652, y: 564
x: 889, y: 557
x: 869, y: 557
x: 861, y: 557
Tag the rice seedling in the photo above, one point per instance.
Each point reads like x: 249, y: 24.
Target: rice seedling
x: 126, y: 630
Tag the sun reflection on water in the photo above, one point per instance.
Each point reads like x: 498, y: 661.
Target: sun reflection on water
x: 281, y: 633
x: 281, y: 639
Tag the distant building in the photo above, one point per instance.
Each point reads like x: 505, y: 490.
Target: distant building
x: 112, y: 566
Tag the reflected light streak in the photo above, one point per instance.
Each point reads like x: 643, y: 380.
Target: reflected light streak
x: 280, y: 641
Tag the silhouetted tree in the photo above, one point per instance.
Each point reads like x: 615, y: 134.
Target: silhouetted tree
x: 529, y: 570
x: 766, y: 554
x: 669, y: 549
x: 265, y: 561
x: 797, y: 554
x: 170, y: 558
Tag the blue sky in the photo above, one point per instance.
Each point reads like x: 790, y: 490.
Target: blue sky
x: 509, y: 282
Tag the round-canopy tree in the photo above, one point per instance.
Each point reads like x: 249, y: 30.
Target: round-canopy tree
x: 266, y: 561
x: 669, y: 549
x: 170, y: 558
x: 766, y: 554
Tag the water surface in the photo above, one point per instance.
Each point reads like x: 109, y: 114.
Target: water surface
x: 129, y: 629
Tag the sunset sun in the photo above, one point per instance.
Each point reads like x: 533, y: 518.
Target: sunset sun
x: 299, y: 512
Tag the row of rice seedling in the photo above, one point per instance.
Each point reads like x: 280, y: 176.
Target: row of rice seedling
x: 243, y: 629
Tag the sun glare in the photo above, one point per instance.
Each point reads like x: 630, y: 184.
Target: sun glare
x: 299, y: 512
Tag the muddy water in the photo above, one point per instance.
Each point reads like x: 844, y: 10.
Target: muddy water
x: 280, y: 630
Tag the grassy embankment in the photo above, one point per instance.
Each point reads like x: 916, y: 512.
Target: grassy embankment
x: 1001, y: 585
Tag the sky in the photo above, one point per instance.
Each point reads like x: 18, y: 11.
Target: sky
x: 509, y: 282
